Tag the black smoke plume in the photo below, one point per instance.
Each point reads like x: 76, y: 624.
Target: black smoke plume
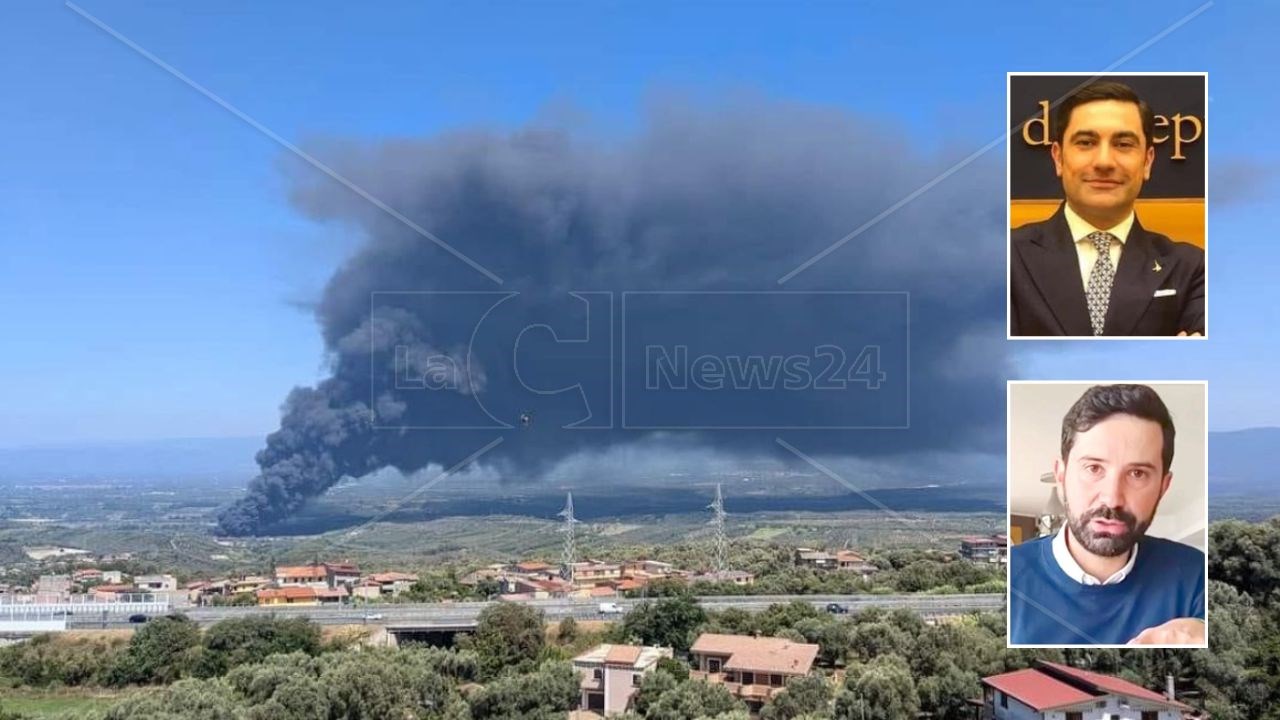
x: 726, y: 197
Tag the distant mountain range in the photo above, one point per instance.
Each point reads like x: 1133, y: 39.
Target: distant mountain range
x: 1245, y: 462
x: 1241, y: 462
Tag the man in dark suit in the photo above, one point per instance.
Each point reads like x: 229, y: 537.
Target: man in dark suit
x: 1092, y: 269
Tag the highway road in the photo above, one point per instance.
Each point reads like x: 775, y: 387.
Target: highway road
x: 464, y: 614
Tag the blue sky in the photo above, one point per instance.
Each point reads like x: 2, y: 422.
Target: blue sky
x: 153, y: 278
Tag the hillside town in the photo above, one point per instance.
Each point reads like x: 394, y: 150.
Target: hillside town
x: 344, y: 582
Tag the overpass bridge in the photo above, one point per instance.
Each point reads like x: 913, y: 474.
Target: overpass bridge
x: 28, y: 618
x: 435, y: 621
x: 460, y: 614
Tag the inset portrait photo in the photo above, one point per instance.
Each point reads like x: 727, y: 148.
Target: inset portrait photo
x: 1108, y: 514
x: 1107, y: 191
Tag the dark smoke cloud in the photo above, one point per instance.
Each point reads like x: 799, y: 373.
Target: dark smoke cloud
x: 728, y: 197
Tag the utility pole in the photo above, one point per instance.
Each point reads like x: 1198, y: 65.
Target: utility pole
x: 721, y: 543
x: 569, y: 555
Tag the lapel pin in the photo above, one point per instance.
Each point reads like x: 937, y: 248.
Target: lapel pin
x: 1156, y: 266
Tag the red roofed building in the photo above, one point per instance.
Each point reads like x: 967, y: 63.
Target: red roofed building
x: 112, y: 592
x: 1050, y: 691
x: 850, y: 561
x: 630, y: 583
x: 342, y: 574
x: 610, y: 674
x: 313, y: 576
x: 335, y: 596
x: 384, y: 584
x: 752, y: 668
x: 989, y: 548
x: 288, y: 596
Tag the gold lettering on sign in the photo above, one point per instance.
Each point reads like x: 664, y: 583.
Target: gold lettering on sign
x: 1179, y: 139
x: 1161, y: 122
x: 1043, y: 121
x: 1186, y: 129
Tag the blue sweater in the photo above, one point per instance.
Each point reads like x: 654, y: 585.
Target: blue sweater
x: 1047, y: 607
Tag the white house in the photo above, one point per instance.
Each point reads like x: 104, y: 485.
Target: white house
x: 1051, y: 691
x: 610, y: 675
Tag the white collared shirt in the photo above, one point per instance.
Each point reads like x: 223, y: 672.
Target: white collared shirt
x: 1085, y: 249
x: 1077, y: 573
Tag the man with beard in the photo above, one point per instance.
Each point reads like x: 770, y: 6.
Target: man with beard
x: 1101, y: 580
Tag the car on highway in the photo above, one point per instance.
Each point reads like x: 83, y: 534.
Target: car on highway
x: 139, y: 618
x: 610, y: 608
x: 836, y: 609
x: 373, y: 616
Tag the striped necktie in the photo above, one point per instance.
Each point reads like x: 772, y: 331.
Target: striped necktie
x: 1098, y: 292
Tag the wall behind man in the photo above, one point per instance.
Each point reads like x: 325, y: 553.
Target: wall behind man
x: 1172, y: 200
x: 1035, y: 425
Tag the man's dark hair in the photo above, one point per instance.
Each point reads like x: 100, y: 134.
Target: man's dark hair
x: 1106, y: 90
x: 1102, y: 401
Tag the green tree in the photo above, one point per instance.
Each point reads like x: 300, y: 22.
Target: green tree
x: 435, y: 587
x: 666, y: 698
x: 944, y: 694
x: 1246, y: 555
x: 779, y: 616
x: 832, y: 636
x: 296, y: 698
x: 358, y: 689
x: 804, y: 695
x: 567, y: 631
x: 189, y: 699
x: 260, y: 682
x: 231, y: 643
x: 548, y: 693
x: 162, y: 651
x: 653, y: 686
x: 871, y: 640
x: 670, y: 622
x: 508, y: 636
x: 882, y: 689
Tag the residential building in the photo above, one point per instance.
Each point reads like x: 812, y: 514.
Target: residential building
x: 611, y: 673
x: 991, y: 549
x: 202, y: 591
x: 593, y: 573
x: 332, y: 596
x: 293, y: 595
x: 754, y: 669
x: 737, y: 577
x: 846, y: 560
x: 53, y: 585
x: 387, y: 584
x: 534, y: 567
x: 87, y: 575
x: 107, y: 592
x: 366, y: 590
x: 650, y: 568
x: 156, y: 583
x: 1050, y: 691
x: 536, y: 589
x: 394, y: 583
x: 630, y: 583
x: 115, y: 577
x: 816, y: 559
x: 342, y: 574
x: 312, y: 576
x: 850, y: 561
x: 249, y: 584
